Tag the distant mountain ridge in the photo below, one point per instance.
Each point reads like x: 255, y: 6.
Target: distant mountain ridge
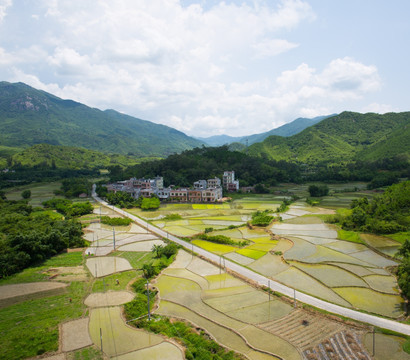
x: 285, y: 130
x: 29, y: 116
x: 342, y: 138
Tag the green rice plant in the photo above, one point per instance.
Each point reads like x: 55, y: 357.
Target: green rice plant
x: 215, y: 248
x: 172, y: 217
x: 349, y: 236
x: 251, y: 253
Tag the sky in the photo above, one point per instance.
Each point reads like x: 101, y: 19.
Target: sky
x: 212, y: 67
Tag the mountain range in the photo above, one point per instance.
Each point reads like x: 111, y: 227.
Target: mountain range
x: 340, y: 139
x: 29, y: 117
x: 286, y: 130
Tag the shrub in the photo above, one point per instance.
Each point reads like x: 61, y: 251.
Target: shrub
x: 261, y: 218
x: 115, y: 221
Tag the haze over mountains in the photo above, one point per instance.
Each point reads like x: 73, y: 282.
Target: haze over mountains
x: 286, y: 130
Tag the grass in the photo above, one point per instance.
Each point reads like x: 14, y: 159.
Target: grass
x: 34, y: 274
x: 400, y: 236
x: 136, y: 259
x: 31, y: 328
x: 110, y: 282
x: 88, y: 353
x: 351, y: 236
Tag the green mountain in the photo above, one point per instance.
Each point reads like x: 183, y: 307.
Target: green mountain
x: 29, y: 116
x: 289, y: 129
x: 342, y: 138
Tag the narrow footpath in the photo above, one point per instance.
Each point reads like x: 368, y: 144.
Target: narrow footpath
x: 264, y: 281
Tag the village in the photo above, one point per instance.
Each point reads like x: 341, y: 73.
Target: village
x: 202, y: 191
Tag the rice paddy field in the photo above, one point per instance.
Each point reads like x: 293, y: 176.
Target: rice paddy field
x: 39, y: 192
x: 253, y: 322
x: 300, y: 251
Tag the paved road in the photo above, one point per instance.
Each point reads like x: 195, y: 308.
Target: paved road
x: 275, y: 286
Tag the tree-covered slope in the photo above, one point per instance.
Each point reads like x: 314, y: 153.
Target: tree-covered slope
x: 345, y: 137
x: 29, y: 116
x: 67, y: 157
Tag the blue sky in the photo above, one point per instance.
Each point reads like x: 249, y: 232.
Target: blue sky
x: 212, y: 67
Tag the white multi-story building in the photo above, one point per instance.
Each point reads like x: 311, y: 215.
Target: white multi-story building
x: 229, y: 182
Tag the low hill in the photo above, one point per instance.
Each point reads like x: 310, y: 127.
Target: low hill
x: 286, y: 130
x: 29, y: 117
x: 342, y: 138
x: 67, y: 157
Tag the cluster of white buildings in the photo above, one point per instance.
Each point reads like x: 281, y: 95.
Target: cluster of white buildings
x: 202, y: 190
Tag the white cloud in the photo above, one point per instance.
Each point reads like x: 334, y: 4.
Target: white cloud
x: 377, y: 108
x: 191, y: 68
x: 4, y: 4
x: 272, y: 47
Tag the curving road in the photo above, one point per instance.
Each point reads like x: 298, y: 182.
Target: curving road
x: 264, y: 281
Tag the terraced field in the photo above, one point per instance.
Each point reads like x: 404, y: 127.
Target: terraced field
x: 252, y: 322
x: 301, y: 251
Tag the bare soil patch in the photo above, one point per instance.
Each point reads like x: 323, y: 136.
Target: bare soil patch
x: 109, y: 298
x: 67, y: 273
x: 11, y: 294
x: 74, y: 335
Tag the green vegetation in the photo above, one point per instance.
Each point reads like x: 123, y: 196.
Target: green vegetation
x: 69, y: 157
x: 115, y: 221
x: 172, y: 217
x: 122, y: 199
x: 222, y: 239
x: 261, y: 218
x: 150, y: 203
x: 35, y: 273
x: 385, y: 214
x: 204, y: 163
x: 343, y: 138
x: 28, y: 330
x: 27, y: 240
x: 74, y: 187
x: 403, y: 271
x: 351, y: 236
x: 26, y: 194
x: 107, y: 131
x: 318, y: 190
x: 68, y: 208
x: 89, y: 353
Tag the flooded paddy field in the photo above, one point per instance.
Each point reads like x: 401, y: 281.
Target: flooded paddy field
x: 300, y: 251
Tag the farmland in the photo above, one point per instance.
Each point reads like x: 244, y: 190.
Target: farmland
x: 300, y: 251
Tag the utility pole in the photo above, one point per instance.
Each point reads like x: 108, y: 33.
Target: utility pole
x: 113, y: 235
x: 149, y: 314
x: 294, y: 298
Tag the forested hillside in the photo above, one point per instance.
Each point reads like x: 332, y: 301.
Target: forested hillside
x: 29, y: 116
x: 341, y: 139
x: 68, y: 157
x: 205, y: 163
